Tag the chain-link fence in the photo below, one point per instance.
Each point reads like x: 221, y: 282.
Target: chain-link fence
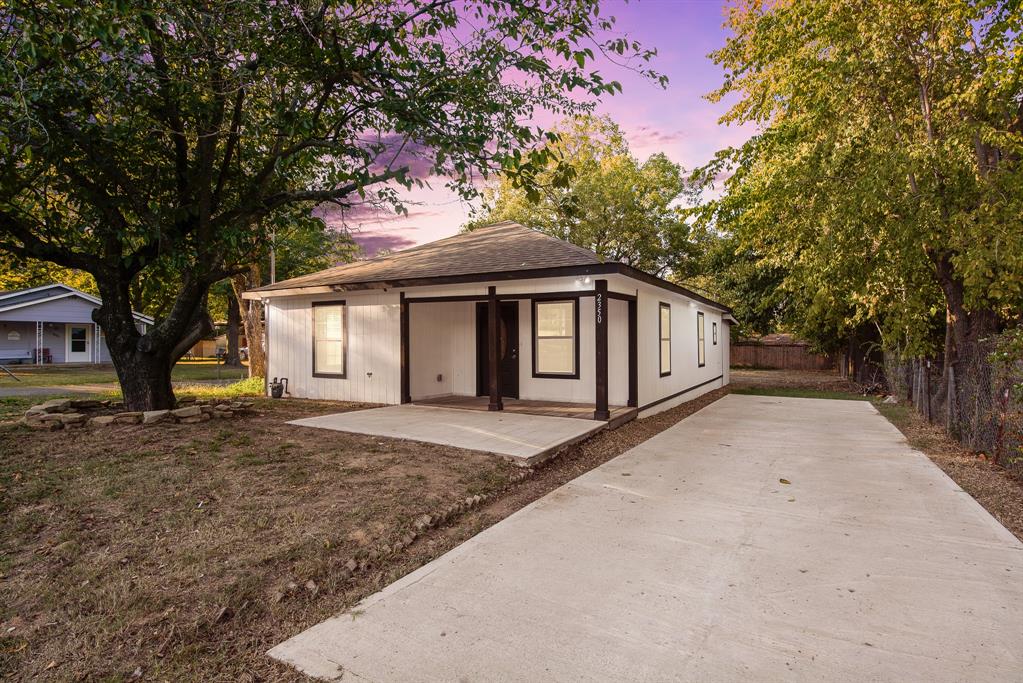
x: 979, y: 400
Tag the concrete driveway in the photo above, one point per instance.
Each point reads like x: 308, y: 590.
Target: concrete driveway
x: 689, y: 558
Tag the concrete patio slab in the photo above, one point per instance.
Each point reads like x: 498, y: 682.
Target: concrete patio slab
x: 525, y: 438
x: 690, y: 559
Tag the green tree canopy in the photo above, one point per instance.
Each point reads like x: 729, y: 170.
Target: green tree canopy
x: 173, y: 137
x: 885, y: 180
x: 593, y: 192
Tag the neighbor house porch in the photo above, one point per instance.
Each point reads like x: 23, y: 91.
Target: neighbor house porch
x: 42, y: 342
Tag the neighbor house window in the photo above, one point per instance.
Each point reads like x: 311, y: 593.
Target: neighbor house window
x: 714, y: 332
x: 330, y: 338
x: 701, y: 349
x: 664, y: 325
x: 555, y: 339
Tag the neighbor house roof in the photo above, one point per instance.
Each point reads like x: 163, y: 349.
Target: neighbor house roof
x: 502, y: 251
x: 31, y: 296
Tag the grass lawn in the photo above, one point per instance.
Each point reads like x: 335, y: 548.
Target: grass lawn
x: 54, y: 375
x: 798, y: 392
x: 186, y: 551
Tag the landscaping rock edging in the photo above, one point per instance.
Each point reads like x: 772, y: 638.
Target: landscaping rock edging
x: 422, y: 524
x: 68, y: 413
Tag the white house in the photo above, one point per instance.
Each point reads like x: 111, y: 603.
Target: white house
x: 53, y: 324
x: 502, y: 315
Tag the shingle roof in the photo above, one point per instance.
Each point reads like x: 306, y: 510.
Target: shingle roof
x: 486, y: 253
x: 30, y: 296
x: 497, y: 248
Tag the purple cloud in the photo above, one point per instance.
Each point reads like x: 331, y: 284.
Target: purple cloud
x: 373, y: 243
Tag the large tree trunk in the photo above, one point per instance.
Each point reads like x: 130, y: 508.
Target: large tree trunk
x: 234, y: 323
x: 143, y: 362
x: 252, y: 319
x: 965, y: 329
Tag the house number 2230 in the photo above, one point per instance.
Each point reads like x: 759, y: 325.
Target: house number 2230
x: 600, y: 309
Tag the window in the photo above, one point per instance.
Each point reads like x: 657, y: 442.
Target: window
x: 330, y: 331
x: 555, y: 341
x: 79, y: 335
x: 701, y: 349
x: 714, y: 332
x: 665, y: 339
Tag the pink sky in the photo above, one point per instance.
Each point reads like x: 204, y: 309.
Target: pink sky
x: 677, y: 121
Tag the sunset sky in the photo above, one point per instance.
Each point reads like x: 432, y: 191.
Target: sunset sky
x: 677, y: 120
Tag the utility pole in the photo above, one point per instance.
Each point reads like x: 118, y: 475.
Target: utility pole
x: 273, y: 256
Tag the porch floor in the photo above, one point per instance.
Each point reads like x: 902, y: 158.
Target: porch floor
x: 516, y: 405
x: 525, y: 439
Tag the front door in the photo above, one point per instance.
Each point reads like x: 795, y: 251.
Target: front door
x: 507, y: 350
x: 78, y: 344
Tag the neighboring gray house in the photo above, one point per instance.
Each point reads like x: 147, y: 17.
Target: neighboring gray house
x: 52, y: 324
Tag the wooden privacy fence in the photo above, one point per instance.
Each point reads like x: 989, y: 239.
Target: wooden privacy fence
x: 779, y: 356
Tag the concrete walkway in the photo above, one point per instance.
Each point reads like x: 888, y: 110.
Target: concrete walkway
x: 689, y: 559
x: 525, y: 438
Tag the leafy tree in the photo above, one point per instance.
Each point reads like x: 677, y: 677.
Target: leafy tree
x: 176, y: 135
x: 751, y: 287
x: 593, y: 192
x: 885, y: 180
x: 303, y: 246
x: 22, y: 273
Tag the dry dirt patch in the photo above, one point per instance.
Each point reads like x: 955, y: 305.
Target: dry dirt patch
x: 184, y: 553
x: 997, y: 489
x: 791, y: 379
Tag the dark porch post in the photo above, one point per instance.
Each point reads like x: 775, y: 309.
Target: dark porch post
x: 493, y: 343
x: 634, y: 352
x: 600, y: 329
x: 406, y: 391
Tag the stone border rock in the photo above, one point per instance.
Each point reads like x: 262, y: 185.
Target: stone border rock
x: 370, y: 559
x: 69, y: 413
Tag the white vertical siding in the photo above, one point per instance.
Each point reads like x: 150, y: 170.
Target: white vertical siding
x: 582, y: 390
x: 373, y: 360
x: 442, y: 343
x: 726, y: 351
x: 685, y: 370
x: 618, y: 353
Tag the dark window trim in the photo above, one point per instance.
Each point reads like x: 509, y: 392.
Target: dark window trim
x: 574, y: 300
x: 714, y: 331
x: 344, y: 323
x: 699, y: 341
x: 660, y: 338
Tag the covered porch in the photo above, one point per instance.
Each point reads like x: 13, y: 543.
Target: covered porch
x: 557, y: 353
x: 39, y: 342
